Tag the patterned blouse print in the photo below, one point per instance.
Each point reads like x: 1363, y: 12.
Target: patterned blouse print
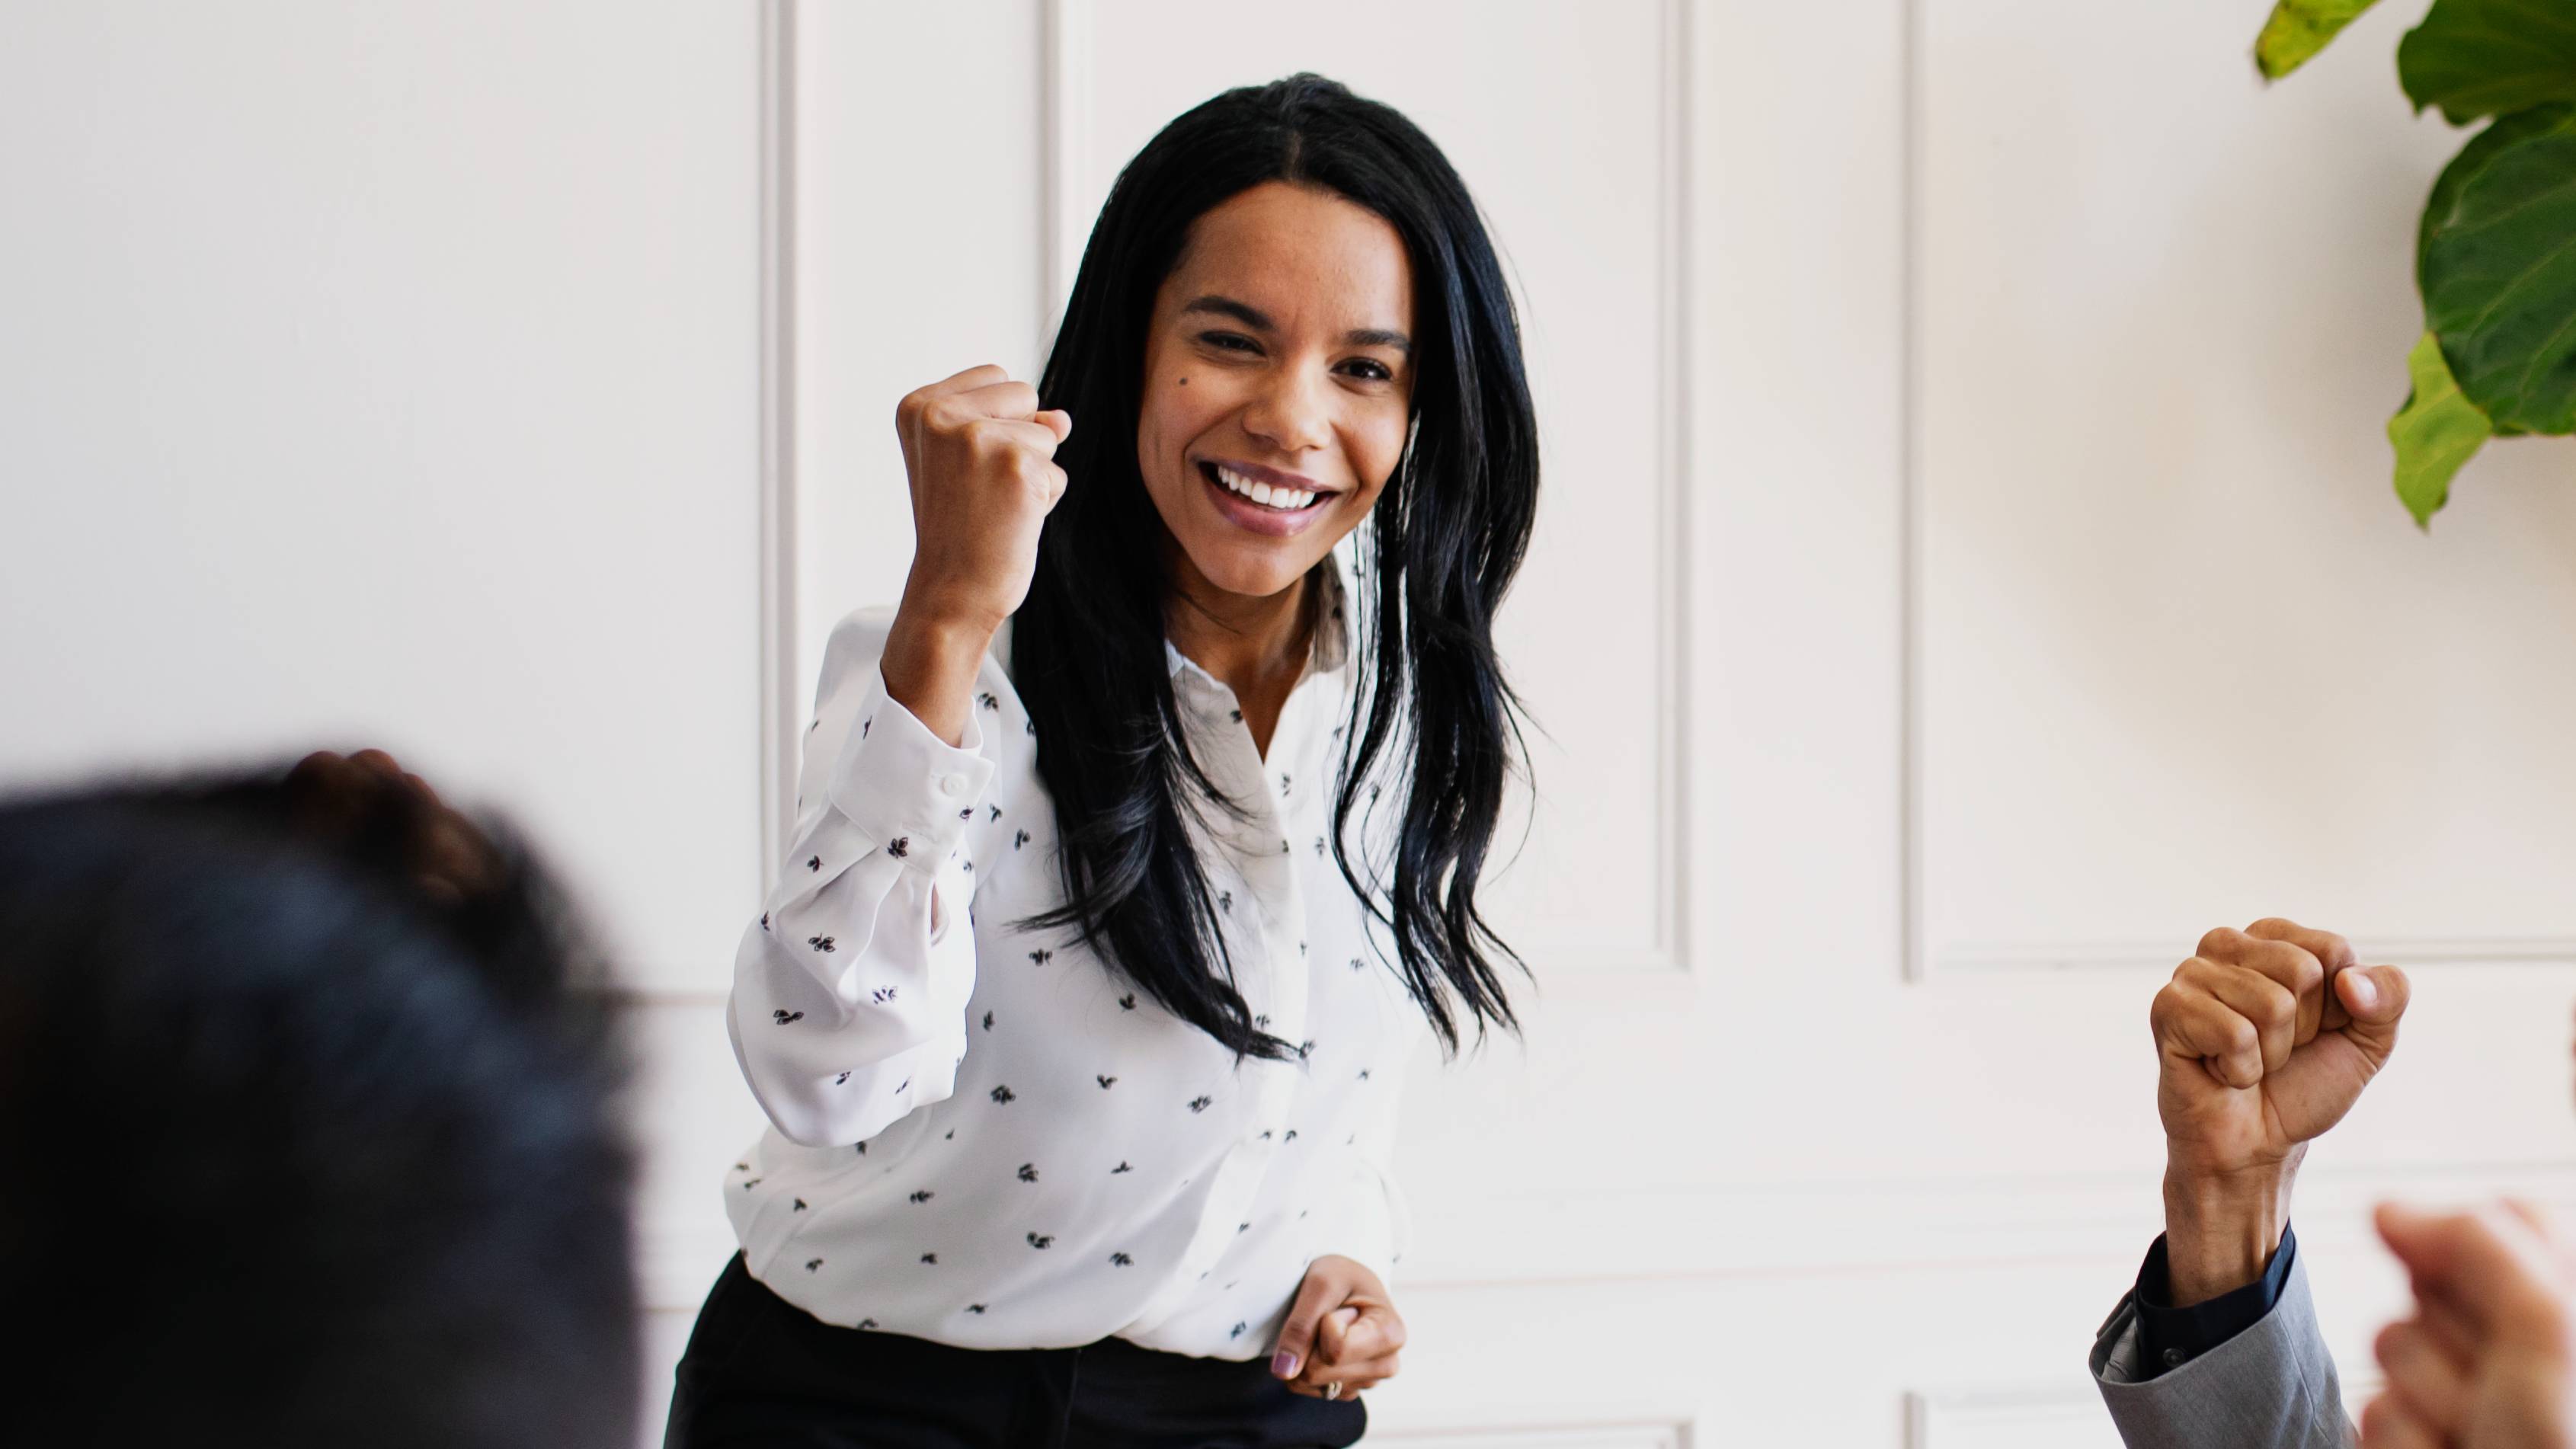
x: 982, y: 1135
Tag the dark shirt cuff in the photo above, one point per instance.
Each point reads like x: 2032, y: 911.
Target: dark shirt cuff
x: 2169, y: 1337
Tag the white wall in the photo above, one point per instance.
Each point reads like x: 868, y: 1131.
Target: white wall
x: 389, y: 374
x: 1965, y: 481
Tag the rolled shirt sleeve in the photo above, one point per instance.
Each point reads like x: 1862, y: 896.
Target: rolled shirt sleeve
x: 850, y: 991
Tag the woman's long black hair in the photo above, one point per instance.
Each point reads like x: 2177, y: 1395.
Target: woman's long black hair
x: 1088, y: 645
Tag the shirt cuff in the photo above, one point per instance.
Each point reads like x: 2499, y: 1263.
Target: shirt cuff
x: 2169, y: 1337
x: 907, y: 790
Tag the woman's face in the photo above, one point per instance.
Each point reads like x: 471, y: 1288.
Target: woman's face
x: 1278, y: 382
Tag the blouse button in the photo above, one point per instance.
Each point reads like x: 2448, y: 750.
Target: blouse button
x: 951, y: 785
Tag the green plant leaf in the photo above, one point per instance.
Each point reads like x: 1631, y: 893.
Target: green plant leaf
x: 2496, y: 260
x: 2490, y: 57
x: 2436, y: 432
x: 2299, y: 29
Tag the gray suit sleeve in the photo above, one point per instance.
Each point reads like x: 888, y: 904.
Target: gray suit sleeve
x: 2271, y: 1387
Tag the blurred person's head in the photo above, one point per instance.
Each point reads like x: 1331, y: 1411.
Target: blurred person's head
x: 304, y: 1127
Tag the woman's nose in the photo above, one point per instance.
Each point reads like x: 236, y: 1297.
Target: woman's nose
x: 1292, y: 414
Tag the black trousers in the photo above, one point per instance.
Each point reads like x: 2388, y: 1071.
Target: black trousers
x: 761, y: 1371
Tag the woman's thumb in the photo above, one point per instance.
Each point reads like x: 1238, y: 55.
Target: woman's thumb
x: 1297, y: 1335
x: 2375, y: 995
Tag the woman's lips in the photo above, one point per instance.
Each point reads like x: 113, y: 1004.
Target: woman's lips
x: 1260, y: 517
x: 1268, y: 487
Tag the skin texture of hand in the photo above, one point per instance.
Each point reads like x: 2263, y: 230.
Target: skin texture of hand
x: 2264, y: 1039
x: 979, y: 454
x: 2485, y: 1361
x: 1341, y: 1330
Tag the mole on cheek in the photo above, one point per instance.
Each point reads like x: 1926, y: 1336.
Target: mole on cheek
x: 1185, y: 382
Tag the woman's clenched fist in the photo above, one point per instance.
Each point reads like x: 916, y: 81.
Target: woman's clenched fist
x: 980, y: 457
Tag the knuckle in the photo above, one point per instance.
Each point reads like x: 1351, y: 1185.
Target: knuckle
x: 2242, y: 1038
x: 2218, y: 942
x: 2279, y: 1007
x: 2307, y: 974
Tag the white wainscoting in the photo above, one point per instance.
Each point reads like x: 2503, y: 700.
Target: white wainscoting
x: 2178, y: 656
x: 1967, y: 573
x: 1841, y: 992
x: 2005, y: 1419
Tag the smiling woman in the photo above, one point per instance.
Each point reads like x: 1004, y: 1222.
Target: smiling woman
x: 1302, y: 359
x: 1142, y: 841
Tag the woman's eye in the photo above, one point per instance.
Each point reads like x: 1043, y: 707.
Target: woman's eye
x: 1368, y: 370
x: 1229, y: 342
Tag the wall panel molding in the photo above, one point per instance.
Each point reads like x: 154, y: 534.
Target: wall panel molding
x: 780, y: 734
x: 1673, y: 444
x: 1909, y: 495
x: 1924, y: 958
x: 1677, y: 81
x: 2410, y: 952
x: 1996, y: 1418
x: 1067, y: 51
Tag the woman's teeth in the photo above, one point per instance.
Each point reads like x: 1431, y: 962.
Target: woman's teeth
x: 1286, y: 500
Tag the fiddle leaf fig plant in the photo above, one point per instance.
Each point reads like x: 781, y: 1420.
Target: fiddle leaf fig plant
x: 2495, y: 255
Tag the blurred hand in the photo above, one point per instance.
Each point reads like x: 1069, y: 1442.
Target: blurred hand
x: 1342, y: 1330
x: 2264, y: 1039
x: 368, y: 803
x: 2484, y: 1363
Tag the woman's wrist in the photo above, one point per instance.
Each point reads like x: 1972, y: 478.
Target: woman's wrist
x: 931, y: 659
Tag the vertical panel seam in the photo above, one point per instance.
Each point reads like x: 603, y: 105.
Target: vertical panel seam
x: 779, y: 738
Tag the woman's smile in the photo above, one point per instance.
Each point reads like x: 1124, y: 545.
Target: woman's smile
x: 1264, y: 500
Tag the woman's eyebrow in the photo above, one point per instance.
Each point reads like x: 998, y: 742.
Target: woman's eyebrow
x: 1259, y: 321
x: 1249, y: 316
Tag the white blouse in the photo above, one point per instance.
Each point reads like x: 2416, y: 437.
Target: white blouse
x: 984, y: 1136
